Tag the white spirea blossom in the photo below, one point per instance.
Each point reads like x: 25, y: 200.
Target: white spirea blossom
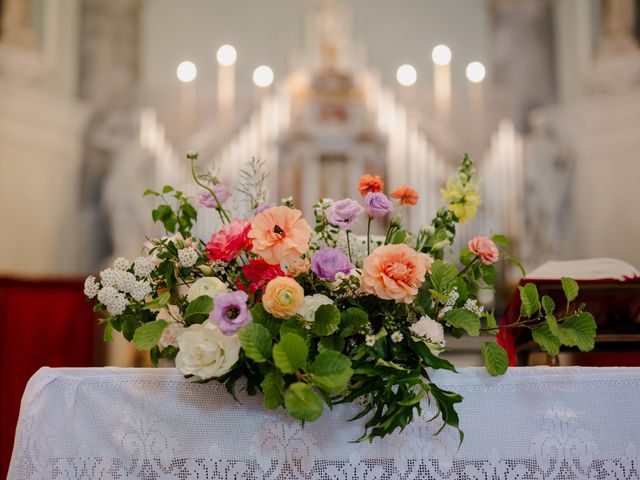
x: 121, y: 263
x: 109, y: 277
x: 370, y: 340
x: 311, y: 305
x: 125, y: 281
x: 473, y: 307
x: 114, y: 301
x: 396, y: 337
x: 187, y: 257
x: 140, y: 289
x: 453, y: 297
x: 143, y: 266
x: 91, y: 287
x: 443, y: 312
x: 206, y: 352
x: 429, y: 330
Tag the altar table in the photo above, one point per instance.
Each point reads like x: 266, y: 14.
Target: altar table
x: 532, y: 423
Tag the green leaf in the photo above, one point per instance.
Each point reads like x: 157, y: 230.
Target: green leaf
x: 530, y: 300
x: 333, y: 342
x: 273, y: 390
x: 327, y: 320
x: 501, y: 240
x: 552, y: 323
x: 198, y: 310
x: 107, y: 335
x: 147, y: 336
x: 189, y: 211
x: 353, y: 320
x: 255, y: 340
x: 331, y: 371
x: 570, y: 287
x: 548, y: 305
x: 167, y: 189
x: 463, y: 318
x: 129, y: 325
x: 442, y: 275
x: 393, y: 365
x: 429, y: 359
x: 149, y: 191
x: 490, y: 317
x: 154, y: 355
x: 496, y: 360
x: 290, y: 353
x: 294, y: 326
x: 583, y: 325
x: 399, y: 237
x: 488, y: 274
x: 162, y: 213
x: 302, y: 403
x: 547, y: 341
x: 157, y: 303
x: 261, y: 316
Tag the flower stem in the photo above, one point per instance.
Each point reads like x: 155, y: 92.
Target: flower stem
x: 349, y: 247
x: 221, y: 211
x: 464, y: 270
x: 369, y: 236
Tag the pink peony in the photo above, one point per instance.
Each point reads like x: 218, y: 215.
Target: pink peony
x: 485, y: 249
x: 230, y: 241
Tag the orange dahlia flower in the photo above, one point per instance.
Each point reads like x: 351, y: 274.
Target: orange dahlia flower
x: 280, y: 234
x: 406, y: 195
x: 368, y: 183
x: 394, y: 272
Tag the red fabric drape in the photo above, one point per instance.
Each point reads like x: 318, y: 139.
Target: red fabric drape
x: 44, y: 323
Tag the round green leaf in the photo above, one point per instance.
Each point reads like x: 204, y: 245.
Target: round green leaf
x: 353, y: 320
x: 327, y: 320
x: 273, y: 390
x: 290, y: 353
x: 255, y: 340
x: 463, y: 318
x: 331, y: 371
x: 530, y: 300
x: 570, y: 287
x: 146, y: 337
x: 583, y: 326
x: 302, y: 403
x: 547, y: 341
x: 496, y: 360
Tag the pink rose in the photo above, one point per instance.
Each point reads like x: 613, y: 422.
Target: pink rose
x: 485, y: 249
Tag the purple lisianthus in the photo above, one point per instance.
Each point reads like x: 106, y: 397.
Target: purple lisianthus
x: 262, y: 208
x: 230, y: 312
x: 328, y: 262
x: 344, y: 213
x: 223, y: 192
x: 377, y: 205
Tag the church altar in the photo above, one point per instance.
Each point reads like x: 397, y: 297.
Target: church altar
x: 534, y: 422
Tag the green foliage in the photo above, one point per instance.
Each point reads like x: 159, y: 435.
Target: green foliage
x: 548, y: 305
x: 353, y: 320
x: 107, y: 335
x: 255, y: 340
x: 290, y: 354
x: 495, y: 358
x: 146, y: 337
x: 331, y: 371
x: 182, y: 218
x: 583, y: 327
x: 302, y: 403
x: 157, y: 303
x: 464, y: 319
x: 547, y: 341
x: 198, y: 310
x: 327, y: 320
x: 443, y: 275
x: 260, y: 316
x: 273, y: 390
x: 570, y: 288
x: 530, y: 300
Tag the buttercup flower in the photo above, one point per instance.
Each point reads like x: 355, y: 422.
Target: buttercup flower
x: 394, y: 272
x: 298, y: 266
x: 406, y: 195
x: 211, y: 286
x: 369, y: 183
x: 326, y: 263
x: 344, y: 213
x: 377, y: 204
x: 431, y: 332
x: 280, y: 234
x: 230, y: 312
x: 230, y: 241
x: 223, y: 192
x: 283, y: 297
x: 463, y: 199
x: 311, y: 305
x: 206, y: 352
x: 257, y: 274
x: 485, y: 249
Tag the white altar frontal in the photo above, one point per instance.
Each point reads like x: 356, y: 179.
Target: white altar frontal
x: 533, y: 423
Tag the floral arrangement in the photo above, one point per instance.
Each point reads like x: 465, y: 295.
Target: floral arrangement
x: 310, y: 315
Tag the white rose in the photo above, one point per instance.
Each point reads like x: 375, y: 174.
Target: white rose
x: 206, y: 352
x: 170, y: 335
x: 211, y: 286
x: 431, y: 332
x: 311, y: 305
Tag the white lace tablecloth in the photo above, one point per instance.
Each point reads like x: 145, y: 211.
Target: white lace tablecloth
x: 533, y: 423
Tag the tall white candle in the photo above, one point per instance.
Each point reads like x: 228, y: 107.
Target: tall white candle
x: 441, y: 56
x: 226, y: 57
x: 187, y: 73
x: 475, y: 92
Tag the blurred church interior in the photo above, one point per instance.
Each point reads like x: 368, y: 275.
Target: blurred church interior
x: 100, y: 99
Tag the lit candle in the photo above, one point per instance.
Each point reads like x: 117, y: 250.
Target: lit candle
x: 475, y: 74
x: 187, y: 73
x: 226, y: 57
x: 441, y: 56
x: 407, y: 77
x: 262, y: 79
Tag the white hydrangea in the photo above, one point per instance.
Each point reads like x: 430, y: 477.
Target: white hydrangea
x: 187, y: 257
x: 140, y: 289
x: 428, y: 329
x: 125, y: 281
x: 109, y: 277
x: 370, y: 340
x: 396, y: 337
x: 121, y: 263
x: 473, y: 307
x: 143, y: 266
x: 311, y: 305
x: 91, y: 287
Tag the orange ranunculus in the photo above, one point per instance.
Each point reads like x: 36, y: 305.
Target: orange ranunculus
x: 283, y: 297
x: 280, y: 234
x: 406, y: 195
x: 368, y: 183
x: 394, y: 272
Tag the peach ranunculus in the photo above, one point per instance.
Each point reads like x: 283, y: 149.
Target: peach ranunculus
x: 298, y: 267
x: 406, y: 195
x: 394, y: 272
x: 280, y: 234
x: 370, y: 184
x: 283, y: 297
x: 485, y: 249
